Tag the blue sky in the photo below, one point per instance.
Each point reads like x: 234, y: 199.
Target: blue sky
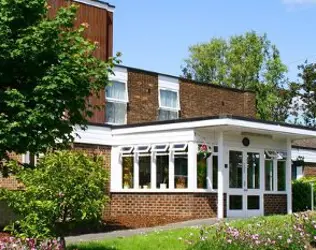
x: 155, y: 34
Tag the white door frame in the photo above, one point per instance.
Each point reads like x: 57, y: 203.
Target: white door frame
x: 244, y: 191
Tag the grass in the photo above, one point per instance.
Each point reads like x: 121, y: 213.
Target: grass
x: 190, y: 238
x: 173, y: 240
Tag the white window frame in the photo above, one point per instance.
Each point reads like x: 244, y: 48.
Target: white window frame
x: 126, y: 151
x: 137, y: 150
x: 115, y: 100
x: 161, y: 107
x: 155, y: 149
x: 176, y: 150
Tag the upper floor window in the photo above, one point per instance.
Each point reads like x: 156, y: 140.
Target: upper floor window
x: 116, y: 102
x: 168, y: 104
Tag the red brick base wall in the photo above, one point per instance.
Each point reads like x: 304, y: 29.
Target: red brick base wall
x: 197, y: 205
x: 275, y: 204
x: 309, y: 170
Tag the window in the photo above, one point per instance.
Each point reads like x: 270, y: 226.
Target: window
x: 128, y: 171
x: 281, y: 175
x: 178, y: 147
x: 215, y: 170
x: 269, y: 174
x: 201, y: 172
x: 116, y: 102
x: 168, y: 104
x: 162, y: 168
x: 144, y: 171
x: 181, y: 171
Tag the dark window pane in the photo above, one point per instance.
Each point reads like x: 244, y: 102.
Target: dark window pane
x: 215, y: 170
x: 253, y: 173
x: 235, y: 202
x: 144, y: 171
x: 268, y: 175
x: 181, y: 171
x: 235, y: 169
x: 253, y: 202
x: 162, y: 163
x: 281, y: 175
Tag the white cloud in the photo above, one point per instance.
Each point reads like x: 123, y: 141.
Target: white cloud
x: 299, y: 2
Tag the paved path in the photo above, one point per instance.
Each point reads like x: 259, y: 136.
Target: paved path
x: 131, y: 232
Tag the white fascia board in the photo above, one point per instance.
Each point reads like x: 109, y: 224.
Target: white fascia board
x: 120, y: 74
x: 308, y: 154
x: 98, y: 4
x: 154, y: 138
x: 167, y: 82
x: 93, y: 135
x: 272, y: 128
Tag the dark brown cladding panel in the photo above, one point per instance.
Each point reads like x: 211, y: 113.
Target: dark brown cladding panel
x: 100, y: 30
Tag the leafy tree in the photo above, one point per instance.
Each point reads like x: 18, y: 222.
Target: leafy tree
x: 65, y: 188
x: 247, y: 62
x: 308, y: 93
x: 47, y: 73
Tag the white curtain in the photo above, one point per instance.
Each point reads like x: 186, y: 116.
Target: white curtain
x: 168, y: 98
x: 115, y: 112
x: 116, y: 90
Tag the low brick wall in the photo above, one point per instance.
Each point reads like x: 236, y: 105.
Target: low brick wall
x: 275, y: 204
x: 309, y: 170
x: 198, y: 205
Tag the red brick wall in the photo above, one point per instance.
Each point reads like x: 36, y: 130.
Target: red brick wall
x: 209, y: 100
x: 275, y: 204
x: 309, y: 170
x: 196, y: 205
x: 143, y: 97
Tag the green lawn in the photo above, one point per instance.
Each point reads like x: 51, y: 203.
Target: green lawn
x: 273, y: 228
x: 173, y: 240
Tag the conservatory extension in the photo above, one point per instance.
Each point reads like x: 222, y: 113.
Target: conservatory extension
x: 211, y: 166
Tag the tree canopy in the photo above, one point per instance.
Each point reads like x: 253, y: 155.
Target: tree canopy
x: 248, y: 62
x: 47, y: 73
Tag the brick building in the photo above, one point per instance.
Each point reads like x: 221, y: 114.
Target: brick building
x: 182, y: 148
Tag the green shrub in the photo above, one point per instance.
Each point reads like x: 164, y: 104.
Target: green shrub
x: 301, y: 192
x: 65, y: 188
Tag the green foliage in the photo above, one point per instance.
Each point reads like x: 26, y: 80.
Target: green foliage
x: 247, y: 62
x: 65, y: 188
x: 301, y: 193
x: 47, y: 73
x: 308, y: 92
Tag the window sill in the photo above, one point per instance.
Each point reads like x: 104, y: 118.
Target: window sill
x: 274, y: 192
x: 178, y: 190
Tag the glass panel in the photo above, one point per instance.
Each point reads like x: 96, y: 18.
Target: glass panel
x: 160, y: 147
x: 142, y: 148
x: 201, y: 172
x: 162, y: 164
x: 115, y: 112
x: 178, y: 147
x: 269, y: 175
x: 235, y: 202
x: 215, y: 170
x: 167, y: 115
x: 181, y: 171
x: 235, y: 169
x: 128, y: 171
x: 253, y: 173
x: 253, y: 202
x: 215, y: 149
x: 144, y: 171
x: 168, y: 98
x: 281, y: 175
x: 116, y: 90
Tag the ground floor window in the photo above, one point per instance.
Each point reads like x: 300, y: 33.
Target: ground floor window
x: 128, y: 171
x: 162, y: 167
x: 281, y: 175
x: 144, y: 172
x: 181, y: 171
x: 214, y: 171
x: 201, y: 172
x: 269, y: 175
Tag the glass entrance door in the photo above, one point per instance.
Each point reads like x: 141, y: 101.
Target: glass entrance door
x: 244, y: 191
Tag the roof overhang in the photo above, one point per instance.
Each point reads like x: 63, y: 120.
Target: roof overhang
x: 223, y: 124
